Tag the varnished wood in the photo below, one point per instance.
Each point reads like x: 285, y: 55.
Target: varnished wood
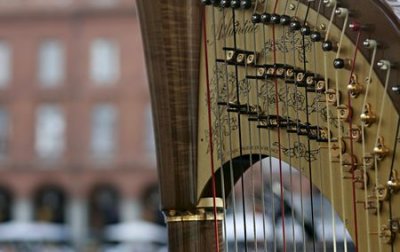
x: 172, y: 39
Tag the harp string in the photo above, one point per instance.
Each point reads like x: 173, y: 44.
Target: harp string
x: 328, y: 116
x: 317, y: 112
x: 251, y: 171
x: 261, y: 166
x: 229, y: 119
x: 214, y: 191
x: 268, y: 109
x: 349, y: 98
x: 337, y: 75
x: 219, y: 123
x: 279, y: 133
x: 372, y: 44
x: 308, y: 139
x: 378, y: 133
x: 293, y: 216
x: 391, y: 175
x: 242, y: 181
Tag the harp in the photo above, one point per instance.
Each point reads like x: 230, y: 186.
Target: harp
x: 314, y: 84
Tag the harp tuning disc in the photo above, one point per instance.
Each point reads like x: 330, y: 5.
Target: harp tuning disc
x: 396, y: 89
x: 316, y: 36
x: 328, y: 46
x: 354, y: 26
x: 235, y: 4
x: 285, y: 20
x: 245, y: 4
x: 275, y: 18
x: 341, y: 12
x: 256, y: 18
x: 367, y: 117
x: 329, y: 3
x: 206, y: 2
x: 265, y: 18
x: 225, y: 3
x: 370, y: 43
x: 383, y: 65
x: 380, y: 150
x: 386, y: 234
x: 305, y: 30
x: 394, y: 182
x: 295, y: 25
x: 354, y: 87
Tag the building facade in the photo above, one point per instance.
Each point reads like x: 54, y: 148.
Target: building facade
x: 75, y: 120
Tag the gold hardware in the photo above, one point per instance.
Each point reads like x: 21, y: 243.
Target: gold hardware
x: 349, y: 162
x: 271, y: 71
x: 394, y: 182
x: 372, y: 206
x: 386, y: 234
x: 380, y: 149
x: 354, y: 87
x: 336, y: 150
x: 250, y: 59
x: 355, y: 133
x: 280, y: 72
x: 289, y: 73
x: 260, y: 71
x: 331, y: 96
x: 310, y: 80
x: 368, y: 117
x: 344, y: 112
x: 203, y: 212
x: 240, y: 58
x: 381, y: 192
x: 320, y: 86
x: 300, y: 77
x: 360, y: 178
x: 369, y: 161
x: 229, y: 55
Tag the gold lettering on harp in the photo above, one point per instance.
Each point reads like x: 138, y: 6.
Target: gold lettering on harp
x: 226, y: 29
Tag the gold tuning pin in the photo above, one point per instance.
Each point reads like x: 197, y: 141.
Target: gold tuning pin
x: 381, y: 192
x: 369, y: 161
x: 354, y: 87
x: 344, y: 112
x: 331, y: 96
x: 386, y: 234
x: 394, y: 182
x: 380, y: 150
x: 368, y: 117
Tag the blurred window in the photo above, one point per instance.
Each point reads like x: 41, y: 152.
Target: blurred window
x: 50, y: 204
x: 5, y: 63
x: 103, y: 207
x: 51, y: 63
x: 50, y: 131
x: 104, y: 61
x: 104, y: 129
x: 5, y: 204
x: 4, y: 132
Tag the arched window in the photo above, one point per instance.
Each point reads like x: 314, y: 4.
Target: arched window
x: 103, y: 207
x: 49, y: 204
x: 5, y: 204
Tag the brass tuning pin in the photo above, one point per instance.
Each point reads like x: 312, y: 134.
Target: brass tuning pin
x: 354, y: 87
x: 368, y: 117
x: 380, y: 150
x: 394, y: 182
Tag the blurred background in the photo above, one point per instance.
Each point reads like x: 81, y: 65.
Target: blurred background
x: 77, y: 153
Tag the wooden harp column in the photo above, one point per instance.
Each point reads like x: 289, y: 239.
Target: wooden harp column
x: 346, y: 136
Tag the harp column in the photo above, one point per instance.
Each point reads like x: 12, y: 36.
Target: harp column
x: 172, y: 41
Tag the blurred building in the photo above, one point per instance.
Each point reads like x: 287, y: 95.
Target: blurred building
x: 76, y: 141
